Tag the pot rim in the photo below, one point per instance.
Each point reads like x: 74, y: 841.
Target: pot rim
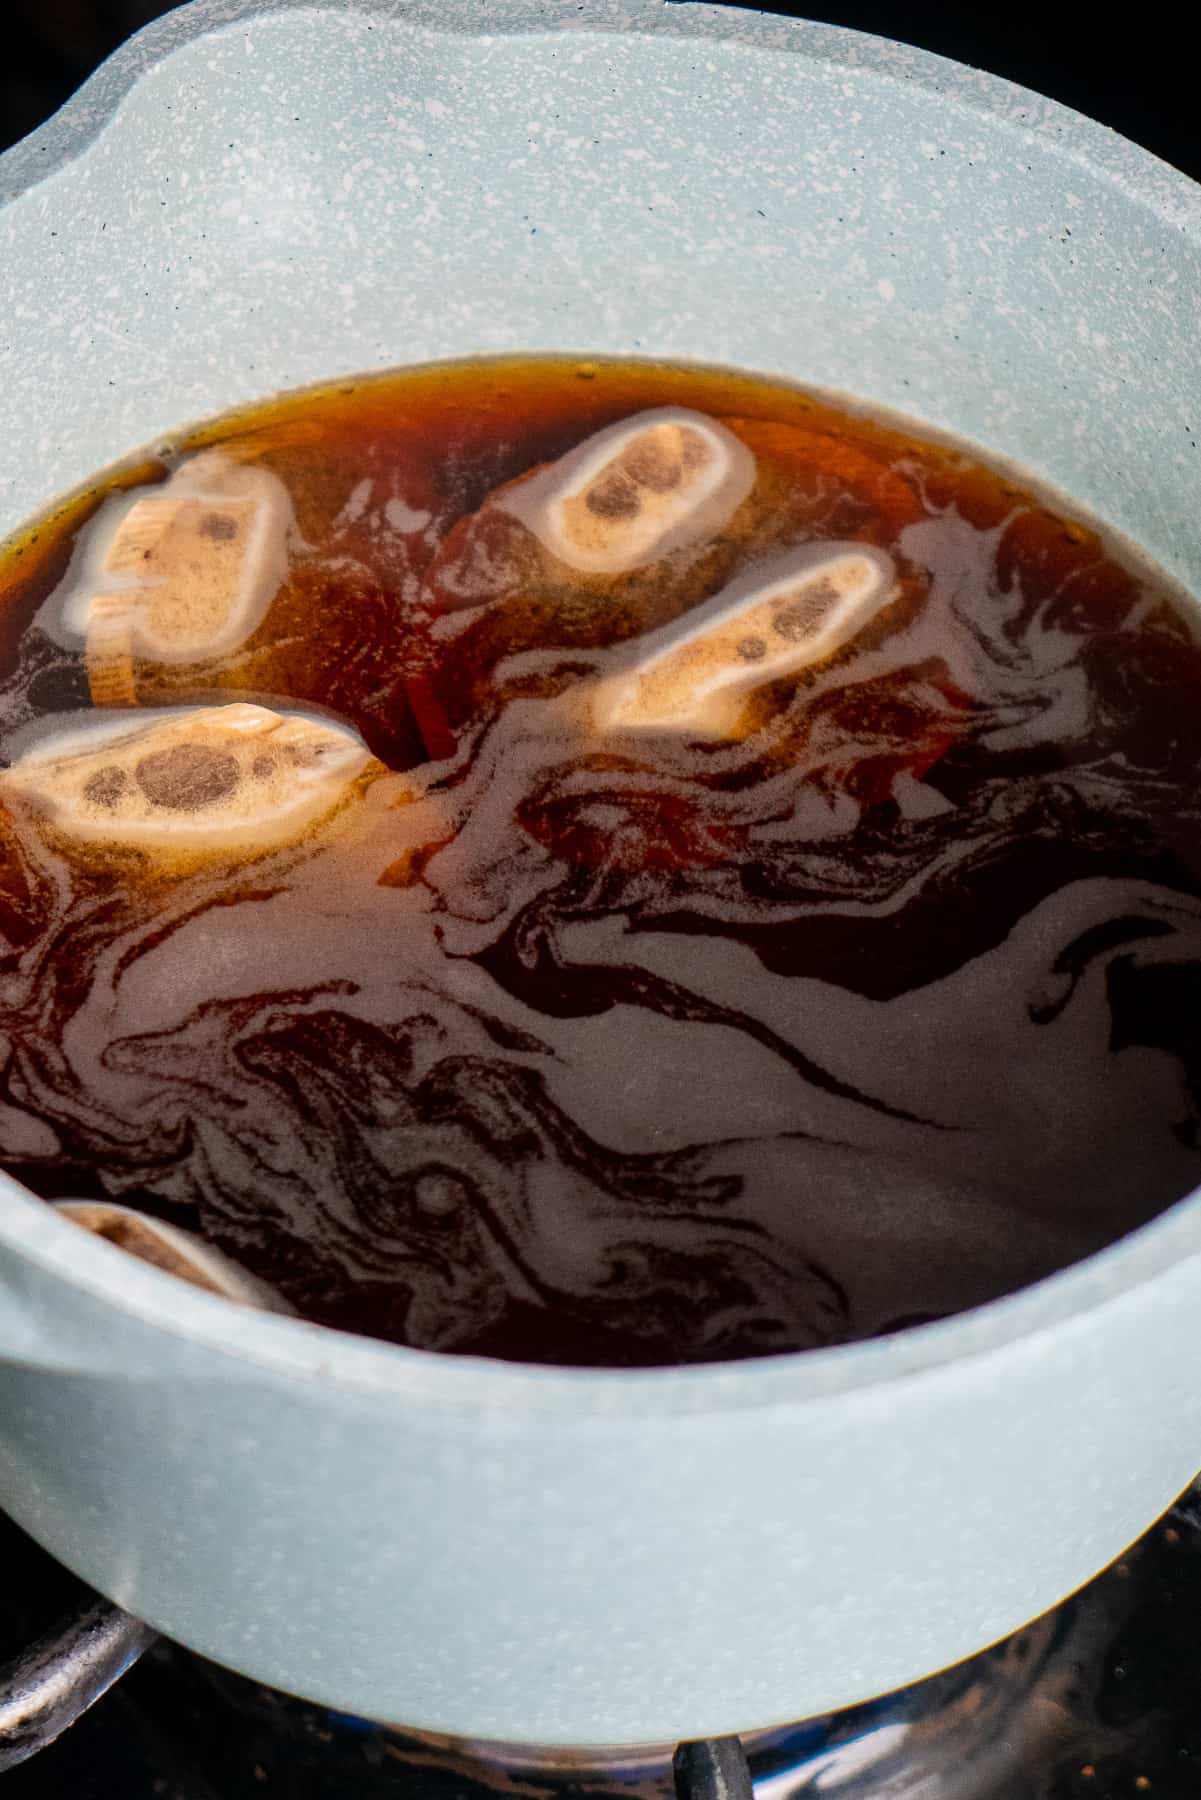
x: 296, y: 1349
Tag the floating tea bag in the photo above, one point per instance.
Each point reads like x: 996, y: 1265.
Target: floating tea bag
x: 635, y: 492
x: 181, y: 574
x: 615, y: 538
x: 783, y: 616
x: 201, y: 780
x: 180, y: 1253
x: 234, y: 580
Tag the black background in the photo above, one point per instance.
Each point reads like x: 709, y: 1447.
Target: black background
x: 1138, y: 77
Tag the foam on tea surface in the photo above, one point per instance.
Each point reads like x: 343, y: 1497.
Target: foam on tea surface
x: 648, y: 1001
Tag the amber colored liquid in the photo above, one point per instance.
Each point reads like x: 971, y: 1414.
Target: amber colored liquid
x: 616, y: 1054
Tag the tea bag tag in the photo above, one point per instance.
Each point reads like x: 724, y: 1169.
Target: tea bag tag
x: 783, y: 616
x: 631, y: 494
x: 219, y: 779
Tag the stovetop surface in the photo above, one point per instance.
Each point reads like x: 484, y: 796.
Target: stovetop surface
x: 1101, y: 1700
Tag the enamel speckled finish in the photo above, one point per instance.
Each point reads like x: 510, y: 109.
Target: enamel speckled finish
x: 256, y: 194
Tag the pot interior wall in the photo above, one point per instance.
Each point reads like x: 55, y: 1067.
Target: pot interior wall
x: 806, y: 203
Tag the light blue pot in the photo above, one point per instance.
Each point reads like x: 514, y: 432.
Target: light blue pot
x: 251, y: 196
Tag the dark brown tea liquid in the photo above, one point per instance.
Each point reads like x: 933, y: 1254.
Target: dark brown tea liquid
x: 707, y: 1021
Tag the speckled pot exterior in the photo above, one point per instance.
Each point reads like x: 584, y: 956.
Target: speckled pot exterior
x: 252, y: 196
